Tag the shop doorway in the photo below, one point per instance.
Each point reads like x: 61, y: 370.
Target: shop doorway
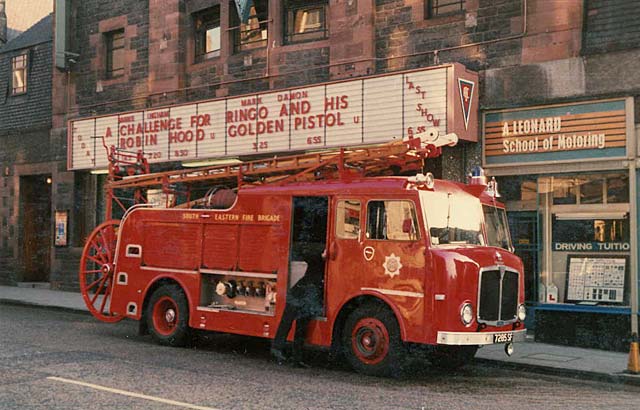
x: 35, y: 206
x: 524, y: 232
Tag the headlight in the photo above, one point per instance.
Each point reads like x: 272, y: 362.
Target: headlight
x: 466, y: 314
x: 522, y: 312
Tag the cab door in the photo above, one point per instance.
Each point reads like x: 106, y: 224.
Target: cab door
x: 344, y: 257
x: 393, y: 254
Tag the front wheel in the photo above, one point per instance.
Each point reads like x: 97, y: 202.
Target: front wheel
x: 371, y: 341
x: 168, y: 316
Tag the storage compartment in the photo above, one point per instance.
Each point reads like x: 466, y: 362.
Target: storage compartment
x: 241, y: 291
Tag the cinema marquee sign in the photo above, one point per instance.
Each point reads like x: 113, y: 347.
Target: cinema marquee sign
x: 571, y: 131
x: 347, y: 113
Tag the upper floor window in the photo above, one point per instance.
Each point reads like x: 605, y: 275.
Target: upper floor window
x: 253, y: 33
x: 19, y: 74
x: 115, y: 53
x: 207, y: 34
x: 305, y: 20
x: 439, y: 8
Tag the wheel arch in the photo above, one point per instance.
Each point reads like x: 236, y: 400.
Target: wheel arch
x: 357, y: 301
x: 156, y: 284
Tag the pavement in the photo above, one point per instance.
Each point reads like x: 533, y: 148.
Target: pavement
x: 531, y: 356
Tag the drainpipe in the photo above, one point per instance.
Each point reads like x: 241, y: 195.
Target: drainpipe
x: 3, y: 23
x: 634, y: 355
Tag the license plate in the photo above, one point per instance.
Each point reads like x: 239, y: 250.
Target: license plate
x: 505, y: 337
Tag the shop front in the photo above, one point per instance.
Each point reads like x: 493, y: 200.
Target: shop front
x: 563, y: 171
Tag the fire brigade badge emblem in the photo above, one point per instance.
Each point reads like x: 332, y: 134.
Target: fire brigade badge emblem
x: 392, y: 265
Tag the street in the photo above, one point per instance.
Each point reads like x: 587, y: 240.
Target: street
x: 62, y: 360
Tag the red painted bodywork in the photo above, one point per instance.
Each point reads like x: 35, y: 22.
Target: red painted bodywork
x: 254, y: 236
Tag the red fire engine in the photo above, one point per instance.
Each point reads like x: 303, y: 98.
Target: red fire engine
x: 409, y: 260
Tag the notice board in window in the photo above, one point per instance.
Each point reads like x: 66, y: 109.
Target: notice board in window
x: 593, y: 278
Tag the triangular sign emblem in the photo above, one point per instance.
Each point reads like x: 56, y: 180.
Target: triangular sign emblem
x: 466, y: 96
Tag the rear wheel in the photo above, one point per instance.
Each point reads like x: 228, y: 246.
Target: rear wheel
x: 371, y: 341
x: 168, y: 316
x: 452, y: 357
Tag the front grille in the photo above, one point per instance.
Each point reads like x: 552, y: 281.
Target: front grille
x: 498, y: 296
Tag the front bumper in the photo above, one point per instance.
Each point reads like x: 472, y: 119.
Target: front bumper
x: 484, y: 338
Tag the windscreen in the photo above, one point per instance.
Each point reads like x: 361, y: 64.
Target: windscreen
x: 452, y: 218
x: 497, y: 227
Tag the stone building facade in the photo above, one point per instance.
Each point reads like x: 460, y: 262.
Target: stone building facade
x: 30, y: 159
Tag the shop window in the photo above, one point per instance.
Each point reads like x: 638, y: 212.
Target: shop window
x: 564, y: 191
x: 207, y: 34
x: 617, y: 189
x: 392, y: 220
x: 115, y: 53
x: 440, y: 8
x: 19, y: 74
x: 305, y: 21
x: 518, y: 188
x: 348, y: 219
x: 591, y: 191
x: 588, y: 260
x: 253, y: 33
x: 569, y: 230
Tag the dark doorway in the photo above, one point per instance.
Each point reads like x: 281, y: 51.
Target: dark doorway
x: 524, y: 233
x: 308, y: 238
x: 35, y: 206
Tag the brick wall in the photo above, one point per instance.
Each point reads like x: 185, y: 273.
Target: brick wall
x: 160, y: 67
x: 32, y: 109
x: 402, y: 29
x: 611, y: 25
x: 25, y: 146
x: 24, y: 151
x: 91, y: 20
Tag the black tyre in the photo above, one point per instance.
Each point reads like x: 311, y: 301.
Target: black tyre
x: 371, y: 341
x: 168, y: 316
x: 452, y: 357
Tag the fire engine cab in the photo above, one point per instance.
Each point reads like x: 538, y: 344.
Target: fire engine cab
x: 406, y: 260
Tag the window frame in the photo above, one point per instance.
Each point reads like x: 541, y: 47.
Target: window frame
x: 341, y: 234
x: 110, y: 38
x: 416, y: 222
x: 291, y: 8
x: 239, y: 28
x: 24, y: 68
x: 209, y: 22
x: 575, y: 184
x: 432, y: 6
